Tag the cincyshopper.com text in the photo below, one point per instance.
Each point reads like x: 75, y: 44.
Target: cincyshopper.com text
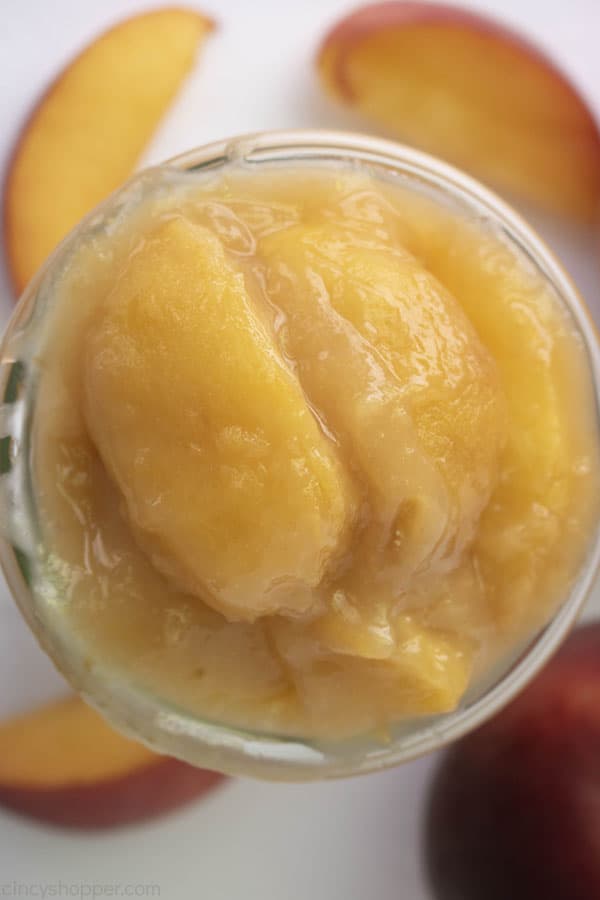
x: 43, y: 891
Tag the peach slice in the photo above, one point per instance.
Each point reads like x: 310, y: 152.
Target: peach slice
x: 513, y: 809
x: 466, y: 88
x: 87, y: 132
x: 63, y: 764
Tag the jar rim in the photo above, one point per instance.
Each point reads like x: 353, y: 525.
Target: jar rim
x: 237, y: 751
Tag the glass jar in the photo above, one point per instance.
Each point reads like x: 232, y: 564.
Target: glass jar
x: 136, y: 711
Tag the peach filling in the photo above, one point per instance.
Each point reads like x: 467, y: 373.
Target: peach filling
x: 307, y: 451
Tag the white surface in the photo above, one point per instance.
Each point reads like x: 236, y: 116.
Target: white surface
x: 349, y: 840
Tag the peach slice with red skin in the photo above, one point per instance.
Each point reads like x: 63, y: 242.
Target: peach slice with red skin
x: 513, y: 809
x: 88, y: 131
x: 464, y: 87
x: 63, y: 764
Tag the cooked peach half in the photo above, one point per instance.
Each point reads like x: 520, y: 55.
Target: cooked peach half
x: 62, y: 763
x: 466, y: 88
x: 88, y: 131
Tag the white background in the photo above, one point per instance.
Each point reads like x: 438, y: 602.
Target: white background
x: 352, y: 840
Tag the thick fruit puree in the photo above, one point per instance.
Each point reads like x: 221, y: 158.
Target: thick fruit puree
x: 312, y: 450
